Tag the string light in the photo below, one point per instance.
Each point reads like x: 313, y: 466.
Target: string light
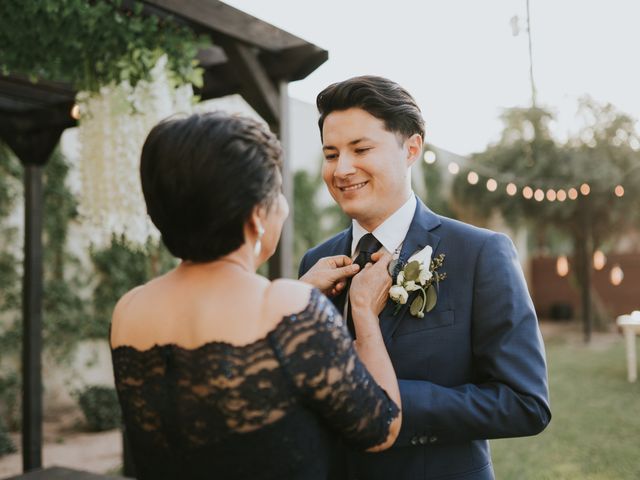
x: 599, y: 260
x: 429, y: 157
x: 585, y: 189
x: 551, y: 195
x: 616, y: 275
x: 539, y: 195
x: 562, y: 266
x: 562, y: 195
x: 75, y: 111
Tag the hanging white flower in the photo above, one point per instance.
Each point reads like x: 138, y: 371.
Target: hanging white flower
x: 113, y: 126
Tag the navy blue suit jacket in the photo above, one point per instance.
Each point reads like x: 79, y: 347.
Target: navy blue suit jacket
x: 472, y: 369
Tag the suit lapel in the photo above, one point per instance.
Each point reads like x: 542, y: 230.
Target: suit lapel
x: 418, y: 237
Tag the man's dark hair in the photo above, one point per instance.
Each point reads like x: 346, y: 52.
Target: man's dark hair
x: 201, y: 178
x: 380, y: 97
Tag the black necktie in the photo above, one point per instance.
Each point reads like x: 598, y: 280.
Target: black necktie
x: 367, y: 246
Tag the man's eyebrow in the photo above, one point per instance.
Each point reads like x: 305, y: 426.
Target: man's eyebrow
x: 351, y: 143
x: 358, y: 140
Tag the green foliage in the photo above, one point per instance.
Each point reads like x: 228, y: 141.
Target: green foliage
x: 90, y: 44
x: 120, y: 267
x: 10, y: 388
x: 312, y: 223
x: 100, y: 407
x: 6, y: 444
x: 602, y: 156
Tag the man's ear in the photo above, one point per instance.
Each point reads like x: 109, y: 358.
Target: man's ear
x: 414, y: 148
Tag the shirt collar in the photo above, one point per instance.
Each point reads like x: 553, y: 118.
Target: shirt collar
x: 392, y: 231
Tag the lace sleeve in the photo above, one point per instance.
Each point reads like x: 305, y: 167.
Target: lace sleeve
x: 317, y: 353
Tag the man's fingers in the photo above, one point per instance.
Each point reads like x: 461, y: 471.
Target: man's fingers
x: 382, y: 257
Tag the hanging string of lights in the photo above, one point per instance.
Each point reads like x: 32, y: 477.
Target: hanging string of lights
x: 512, y: 186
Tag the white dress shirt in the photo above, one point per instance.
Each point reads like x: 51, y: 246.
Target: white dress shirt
x: 392, y: 231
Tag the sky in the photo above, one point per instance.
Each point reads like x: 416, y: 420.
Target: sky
x: 461, y: 61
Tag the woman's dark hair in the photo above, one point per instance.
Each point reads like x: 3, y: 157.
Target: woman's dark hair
x: 380, y: 97
x: 201, y: 178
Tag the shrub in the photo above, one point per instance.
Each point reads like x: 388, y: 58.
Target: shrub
x: 6, y: 444
x: 100, y: 407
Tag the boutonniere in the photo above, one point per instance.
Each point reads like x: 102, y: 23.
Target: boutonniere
x: 420, y: 273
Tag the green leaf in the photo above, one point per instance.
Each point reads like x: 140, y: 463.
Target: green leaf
x: 432, y: 298
x: 416, y: 305
x: 412, y: 271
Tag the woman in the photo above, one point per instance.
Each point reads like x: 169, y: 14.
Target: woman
x: 221, y: 373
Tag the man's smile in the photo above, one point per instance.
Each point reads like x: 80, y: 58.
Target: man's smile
x: 351, y: 188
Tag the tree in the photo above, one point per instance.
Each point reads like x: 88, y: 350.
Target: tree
x: 587, y: 188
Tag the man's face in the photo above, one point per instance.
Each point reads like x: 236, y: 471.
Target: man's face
x: 366, y: 167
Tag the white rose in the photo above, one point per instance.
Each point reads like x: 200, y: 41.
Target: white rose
x: 400, y: 279
x: 425, y: 275
x: 423, y: 256
x: 411, y: 286
x: 398, y: 294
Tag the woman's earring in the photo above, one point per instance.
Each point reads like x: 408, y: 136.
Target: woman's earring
x: 258, y: 246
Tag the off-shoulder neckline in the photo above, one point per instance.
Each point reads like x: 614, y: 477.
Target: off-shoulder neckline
x: 313, y: 299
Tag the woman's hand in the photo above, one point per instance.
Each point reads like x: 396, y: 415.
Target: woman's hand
x: 330, y: 274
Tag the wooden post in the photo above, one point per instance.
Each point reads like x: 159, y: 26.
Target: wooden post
x: 33, y: 147
x: 32, y: 317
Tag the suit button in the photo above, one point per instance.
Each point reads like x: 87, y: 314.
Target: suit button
x: 422, y: 440
x: 433, y: 439
x: 414, y: 441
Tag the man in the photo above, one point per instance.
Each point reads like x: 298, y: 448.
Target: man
x: 473, y: 367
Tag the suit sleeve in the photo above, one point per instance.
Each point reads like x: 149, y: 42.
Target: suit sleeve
x: 509, y: 393
x: 303, y: 268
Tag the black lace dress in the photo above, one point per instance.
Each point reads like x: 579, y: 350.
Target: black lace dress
x: 273, y: 409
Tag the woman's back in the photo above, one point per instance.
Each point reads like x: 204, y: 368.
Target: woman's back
x: 259, y: 397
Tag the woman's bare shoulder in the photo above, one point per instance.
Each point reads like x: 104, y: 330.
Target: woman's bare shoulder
x: 285, y: 297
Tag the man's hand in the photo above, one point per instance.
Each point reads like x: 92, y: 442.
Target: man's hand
x: 330, y: 274
x: 369, y: 290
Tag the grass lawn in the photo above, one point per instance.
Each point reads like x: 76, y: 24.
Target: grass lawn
x: 595, y: 430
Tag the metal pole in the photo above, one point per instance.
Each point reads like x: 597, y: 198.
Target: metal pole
x: 533, y: 85
x: 32, y: 318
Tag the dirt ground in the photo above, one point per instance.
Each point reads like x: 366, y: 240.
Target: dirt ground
x: 65, y: 444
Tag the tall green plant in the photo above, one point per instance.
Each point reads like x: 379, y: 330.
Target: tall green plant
x: 90, y: 44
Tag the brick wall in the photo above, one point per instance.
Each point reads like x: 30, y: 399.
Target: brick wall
x: 547, y: 288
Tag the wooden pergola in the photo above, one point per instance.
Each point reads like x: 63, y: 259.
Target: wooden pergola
x: 249, y: 57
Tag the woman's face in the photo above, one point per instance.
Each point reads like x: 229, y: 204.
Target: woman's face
x: 272, y: 222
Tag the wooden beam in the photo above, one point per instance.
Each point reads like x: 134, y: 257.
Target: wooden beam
x: 256, y: 86
x: 229, y: 21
